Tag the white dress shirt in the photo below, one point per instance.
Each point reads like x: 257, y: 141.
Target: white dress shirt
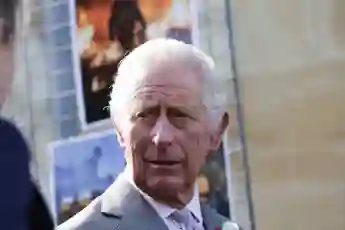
x: 164, y: 211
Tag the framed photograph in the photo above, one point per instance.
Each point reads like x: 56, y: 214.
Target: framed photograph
x: 105, y: 31
x: 81, y: 169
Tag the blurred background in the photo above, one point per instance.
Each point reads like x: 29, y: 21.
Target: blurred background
x: 283, y: 157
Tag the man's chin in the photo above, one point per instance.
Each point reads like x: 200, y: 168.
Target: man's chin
x: 166, y: 188
x: 167, y: 183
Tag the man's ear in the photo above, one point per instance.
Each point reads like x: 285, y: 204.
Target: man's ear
x: 216, y: 137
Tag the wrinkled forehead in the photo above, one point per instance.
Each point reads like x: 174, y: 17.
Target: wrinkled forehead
x: 168, y: 96
x: 158, y: 79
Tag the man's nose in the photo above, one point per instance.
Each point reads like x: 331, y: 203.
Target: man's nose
x: 162, y: 132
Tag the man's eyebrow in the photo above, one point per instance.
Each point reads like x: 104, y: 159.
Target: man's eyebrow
x: 146, y: 108
x: 189, y: 111
x: 188, y: 107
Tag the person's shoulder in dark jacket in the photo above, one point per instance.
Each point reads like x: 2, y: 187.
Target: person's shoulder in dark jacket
x: 14, y: 177
x: 38, y: 213
x: 22, y: 205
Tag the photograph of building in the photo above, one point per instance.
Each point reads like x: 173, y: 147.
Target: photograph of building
x: 82, y: 169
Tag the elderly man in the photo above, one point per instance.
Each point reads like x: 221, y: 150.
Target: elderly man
x: 169, y: 112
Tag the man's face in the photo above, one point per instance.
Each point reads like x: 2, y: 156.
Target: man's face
x: 166, y: 131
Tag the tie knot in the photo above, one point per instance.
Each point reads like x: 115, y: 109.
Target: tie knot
x: 181, y: 216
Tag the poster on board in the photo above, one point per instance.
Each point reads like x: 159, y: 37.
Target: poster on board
x: 106, y: 30
x: 81, y: 169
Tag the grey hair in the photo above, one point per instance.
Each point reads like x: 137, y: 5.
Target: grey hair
x: 133, y: 67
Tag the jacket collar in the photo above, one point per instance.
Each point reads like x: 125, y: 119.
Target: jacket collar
x: 123, y: 201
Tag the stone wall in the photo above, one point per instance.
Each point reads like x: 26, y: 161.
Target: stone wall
x: 291, y: 66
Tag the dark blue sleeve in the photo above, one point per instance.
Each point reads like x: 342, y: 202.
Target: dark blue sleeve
x: 15, y: 190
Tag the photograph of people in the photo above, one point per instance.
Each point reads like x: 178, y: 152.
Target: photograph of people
x: 107, y: 30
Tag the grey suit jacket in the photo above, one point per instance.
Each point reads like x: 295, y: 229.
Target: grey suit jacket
x: 122, y: 207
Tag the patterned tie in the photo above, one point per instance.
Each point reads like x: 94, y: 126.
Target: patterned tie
x: 185, y: 218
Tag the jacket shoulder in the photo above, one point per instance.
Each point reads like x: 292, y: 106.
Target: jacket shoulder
x: 89, y: 218
x: 221, y: 220
x: 228, y: 224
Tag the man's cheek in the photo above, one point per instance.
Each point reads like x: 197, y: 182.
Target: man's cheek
x: 197, y: 143
x: 137, y: 165
x: 139, y: 173
x: 139, y: 148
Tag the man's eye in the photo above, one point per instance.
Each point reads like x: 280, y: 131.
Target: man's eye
x: 145, y: 115
x: 141, y: 115
x: 179, y: 115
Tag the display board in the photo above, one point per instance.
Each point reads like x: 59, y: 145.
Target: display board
x: 105, y: 31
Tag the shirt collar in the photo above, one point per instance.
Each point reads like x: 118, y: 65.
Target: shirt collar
x: 163, y: 210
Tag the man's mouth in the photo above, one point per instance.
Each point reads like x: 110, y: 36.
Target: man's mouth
x: 163, y: 162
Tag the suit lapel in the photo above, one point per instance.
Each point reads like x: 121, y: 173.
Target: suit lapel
x: 123, y: 204
x: 144, y: 217
x: 126, y: 209
x: 211, y: 219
